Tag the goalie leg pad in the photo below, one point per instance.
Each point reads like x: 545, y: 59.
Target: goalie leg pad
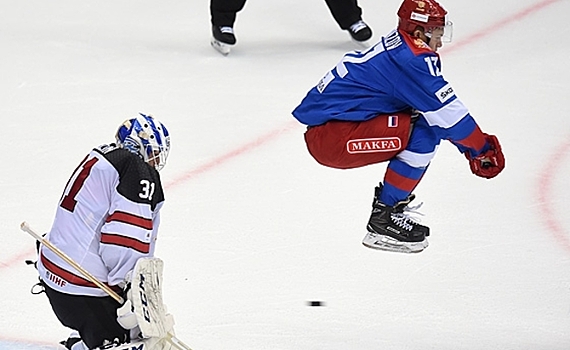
x: 146, y: 299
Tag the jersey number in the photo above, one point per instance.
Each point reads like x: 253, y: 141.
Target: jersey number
x: 432, y: 66
x: 68, y: 202
x: 147, y: 189
x: 351, y: 57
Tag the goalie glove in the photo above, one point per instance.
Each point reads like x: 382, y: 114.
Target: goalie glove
x: 126, y: 316
x: 489, y: 163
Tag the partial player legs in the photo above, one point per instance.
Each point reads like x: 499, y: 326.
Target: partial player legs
x: 94, y: 318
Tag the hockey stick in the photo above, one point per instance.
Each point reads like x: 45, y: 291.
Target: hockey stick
x: 26, y: 228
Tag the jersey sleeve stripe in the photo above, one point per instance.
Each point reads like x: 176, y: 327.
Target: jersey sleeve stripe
x: 131, y: 219
x: 126, y: 242
x: 447, y: 116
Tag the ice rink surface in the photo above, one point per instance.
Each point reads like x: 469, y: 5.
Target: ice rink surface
x: 253, y: 227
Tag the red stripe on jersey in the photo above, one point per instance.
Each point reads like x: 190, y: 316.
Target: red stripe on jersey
x: 475, y: 140
x: 66, y: 275
x: 400, y: 182
x: 130, y: 219
x: 126, y: 242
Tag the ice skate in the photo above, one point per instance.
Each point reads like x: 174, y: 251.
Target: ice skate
x: 360, y: 33
x: 223, y: 39
x: 74, y: 342
x: 393, y: 228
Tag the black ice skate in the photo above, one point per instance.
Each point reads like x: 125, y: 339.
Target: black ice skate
x: 360, y: 33
x: 393, y: 229
x: 223, y: 39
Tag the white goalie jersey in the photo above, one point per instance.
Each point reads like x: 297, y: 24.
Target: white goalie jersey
x: 106, y: 220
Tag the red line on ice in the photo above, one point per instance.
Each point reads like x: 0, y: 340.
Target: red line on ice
x: 492, y: 28
x: 234, y: 153
x: 250, y: 146
x: 545, y: 194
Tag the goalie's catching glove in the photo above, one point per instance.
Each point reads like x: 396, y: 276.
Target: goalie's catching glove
x: 490, y: 163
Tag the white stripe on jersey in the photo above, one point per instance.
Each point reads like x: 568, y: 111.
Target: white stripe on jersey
x: 448, y: 115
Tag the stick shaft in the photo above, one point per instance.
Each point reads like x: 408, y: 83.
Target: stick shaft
x: 177, y: 342
x: 26, y: 228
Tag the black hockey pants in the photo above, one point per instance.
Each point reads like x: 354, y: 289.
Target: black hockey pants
x: 95, y: 318
x: 344, y: 12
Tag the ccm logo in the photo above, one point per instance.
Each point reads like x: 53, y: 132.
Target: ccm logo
x: 385, y: 144
x: 144, y: 299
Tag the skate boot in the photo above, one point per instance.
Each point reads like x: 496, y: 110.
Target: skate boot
x: 74, y: 342
x: 223, y: 39
x: 360, y: 32
x: 393, y: 228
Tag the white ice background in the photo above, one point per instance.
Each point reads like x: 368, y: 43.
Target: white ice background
x: 253, y: 227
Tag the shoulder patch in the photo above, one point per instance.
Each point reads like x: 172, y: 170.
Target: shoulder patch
x: 445, y: 93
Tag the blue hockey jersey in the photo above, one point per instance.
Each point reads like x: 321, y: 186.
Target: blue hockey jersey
x: 398, y: 73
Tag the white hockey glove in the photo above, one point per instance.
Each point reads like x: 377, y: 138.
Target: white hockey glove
x: 126, y: 316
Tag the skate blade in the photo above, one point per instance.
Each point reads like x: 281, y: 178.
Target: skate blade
x: 389, y: 244
x: 222, y: 48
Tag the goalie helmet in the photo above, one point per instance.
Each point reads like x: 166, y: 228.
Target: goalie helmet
x: 146, y: 137
x: 428, y: 14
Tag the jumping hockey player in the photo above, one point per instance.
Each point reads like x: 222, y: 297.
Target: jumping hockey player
x: 107, y: 221
x: 391, y: 103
